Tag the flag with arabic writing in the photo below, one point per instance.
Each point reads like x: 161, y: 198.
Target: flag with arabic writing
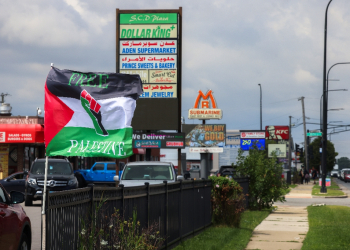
x: 89, y: 114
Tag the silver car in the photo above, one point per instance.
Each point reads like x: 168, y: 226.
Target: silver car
x: 153, y: 172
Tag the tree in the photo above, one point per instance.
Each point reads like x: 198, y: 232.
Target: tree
x: 343, y: 162
x: 331, y: 154
x: 265, y: 183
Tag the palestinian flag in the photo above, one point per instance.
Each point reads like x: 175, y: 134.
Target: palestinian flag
x: 89, y: 114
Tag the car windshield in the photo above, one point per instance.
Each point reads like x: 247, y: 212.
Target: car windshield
x: 147, y: 172
x: 62, y: 168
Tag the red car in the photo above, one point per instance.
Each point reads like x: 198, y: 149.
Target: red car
x: 15, y: 227
x: 347, y: 176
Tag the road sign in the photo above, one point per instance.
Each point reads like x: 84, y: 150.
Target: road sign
x: 314, y: 134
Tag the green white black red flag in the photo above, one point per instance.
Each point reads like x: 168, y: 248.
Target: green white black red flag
x: 89, y: 114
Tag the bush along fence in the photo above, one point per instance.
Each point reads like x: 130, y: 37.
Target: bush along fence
x: 175, y: 210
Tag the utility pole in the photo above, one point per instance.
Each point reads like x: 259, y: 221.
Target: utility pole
x: 290, y: 152
x: 305, y: 141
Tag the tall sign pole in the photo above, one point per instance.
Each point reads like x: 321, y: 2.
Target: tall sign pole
x: 305, y: 141
x: 325, y: 107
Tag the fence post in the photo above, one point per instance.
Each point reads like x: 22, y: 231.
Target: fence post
x: 148, y: 203
x: 123, y: 204
x: 180, y: 211
x: 166, y: 213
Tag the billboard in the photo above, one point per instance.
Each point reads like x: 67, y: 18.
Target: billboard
x: 206, y: 150
x: 148, y: 44
x: 158, y: 140
x: 232, y: 137
x: 247, y: 144
x: 279, y: 149
x: 252, y: 134
x: 205, y: 107
x: 204, y: 135
x: 277, y: 132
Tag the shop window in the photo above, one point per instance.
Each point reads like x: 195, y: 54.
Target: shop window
x: 14, y: 155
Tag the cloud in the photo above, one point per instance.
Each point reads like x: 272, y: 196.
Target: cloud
x: 303, y: 76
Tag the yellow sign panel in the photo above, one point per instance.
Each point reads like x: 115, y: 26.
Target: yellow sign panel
x: 143, y: 74
x: 148, y: 31
x: 163, y: 76
x: 4, y: 160
x: 159, y: 91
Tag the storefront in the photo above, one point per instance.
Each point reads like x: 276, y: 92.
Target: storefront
x: 21, y: 141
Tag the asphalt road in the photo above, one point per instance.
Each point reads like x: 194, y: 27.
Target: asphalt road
x: 34, y: 212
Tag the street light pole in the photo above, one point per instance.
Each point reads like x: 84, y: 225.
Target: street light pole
x: 260, y: 107
x: 324, y: 132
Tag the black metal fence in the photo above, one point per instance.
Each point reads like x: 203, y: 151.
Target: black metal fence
x: 180, y: 209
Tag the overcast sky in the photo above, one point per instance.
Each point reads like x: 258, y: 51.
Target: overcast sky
x: 228, y: 46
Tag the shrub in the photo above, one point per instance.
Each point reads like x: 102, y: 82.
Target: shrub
x: 227, y: 201
x: 102, y: 231
x: 265, y: 183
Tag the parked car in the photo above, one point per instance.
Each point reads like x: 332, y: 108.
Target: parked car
x: 100, y: 173
x: 60, y: 176
x: 346, y: 176
x: 15, y: 226
x: 153, y: 172
x: 342, y: 173
x: 226, y: 171
x: 15, y: 182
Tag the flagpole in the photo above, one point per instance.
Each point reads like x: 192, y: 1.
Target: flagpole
x: 45, y: 183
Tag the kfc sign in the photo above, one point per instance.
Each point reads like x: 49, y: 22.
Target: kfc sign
x: 277, y: 132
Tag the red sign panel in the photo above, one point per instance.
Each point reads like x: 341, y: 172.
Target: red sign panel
x: 21, y: 133
x: 174, y: 144
x: 277, y: 132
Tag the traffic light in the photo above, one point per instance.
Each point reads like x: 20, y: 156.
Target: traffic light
x: 311, y: 152
x: 296, y: 147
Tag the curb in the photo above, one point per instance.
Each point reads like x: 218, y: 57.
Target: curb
x: 343, y: 196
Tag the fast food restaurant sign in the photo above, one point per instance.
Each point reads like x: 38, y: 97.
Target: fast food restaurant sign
x: 205, y: 107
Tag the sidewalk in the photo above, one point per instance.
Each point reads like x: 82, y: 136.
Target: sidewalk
x: 301, y: 191
x: 283, y: 229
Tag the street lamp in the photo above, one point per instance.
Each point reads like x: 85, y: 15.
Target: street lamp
x: 260, y: 107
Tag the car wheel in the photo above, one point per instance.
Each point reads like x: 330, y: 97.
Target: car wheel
x: 81, y: 181
x: 28, y: 201
x: 24, y: 243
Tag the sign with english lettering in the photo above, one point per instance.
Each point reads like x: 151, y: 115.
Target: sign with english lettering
x: 148, y: 31
x: 159, y: 91
x: 158, y: 140
x: 148, y: 47
x: 148, y: 18
x: 205, y: 135
x: 163, y: 76
x: 247, y: 144
x: 148, y: 62
x: 277, y: 132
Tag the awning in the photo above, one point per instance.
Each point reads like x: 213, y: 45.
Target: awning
x: 21, y: 133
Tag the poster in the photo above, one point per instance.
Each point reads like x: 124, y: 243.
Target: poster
x: 205, y: 135
x: 4, y: 160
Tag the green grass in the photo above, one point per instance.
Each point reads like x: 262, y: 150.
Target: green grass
x: 293, y: 186
x: 328, y: 228
x: 226, y: 238
x: 333, y: 190
x: 284, y: 192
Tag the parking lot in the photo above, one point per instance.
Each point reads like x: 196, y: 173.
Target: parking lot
x: 34, y: 213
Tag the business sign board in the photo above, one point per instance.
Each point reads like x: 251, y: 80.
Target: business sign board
x: 247, y: 144
x: 163, y: 76
x: 205, y: 107
x: 147, y: 44
x: 204, y: 135
x: 159, y: 91
x: 206, y: 150
x: 252, y: 134
x: 279, y: 149
x: 143, y: 18
x: 158, y: 140
x: 148, y: 62
x: 232, y: 137
x: 277, y: 132
x: 148, y: 47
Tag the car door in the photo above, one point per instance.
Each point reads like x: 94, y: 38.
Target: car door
x: 98, y: 172
x: 110, y: 171
x: 17, y: 183
x: 8, y: 223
